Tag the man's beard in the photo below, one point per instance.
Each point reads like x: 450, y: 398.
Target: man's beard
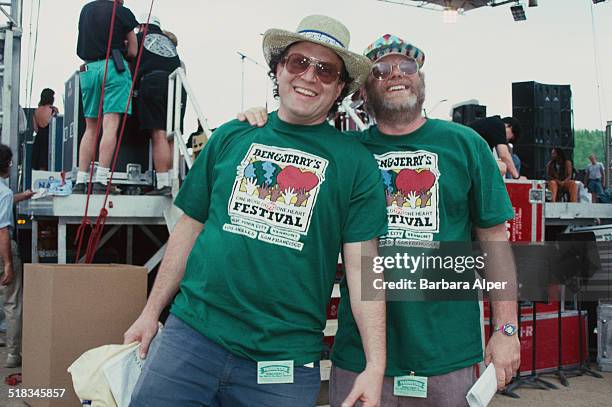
x: 394, y: 113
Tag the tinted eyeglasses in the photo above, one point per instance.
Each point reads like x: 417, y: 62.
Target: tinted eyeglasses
x: 382, y: 70
x: 297, y: 64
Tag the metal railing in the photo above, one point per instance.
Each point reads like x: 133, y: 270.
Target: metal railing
x: 608, y: 154
x: 177, y: 84
x: 348, y: 109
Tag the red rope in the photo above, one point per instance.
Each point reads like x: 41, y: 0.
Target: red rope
x: 85, y: 221
x: 94, y: 238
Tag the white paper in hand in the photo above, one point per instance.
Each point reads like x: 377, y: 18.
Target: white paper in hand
x: 484, y: 389
x: 40, y: 193
x: 123, y: 370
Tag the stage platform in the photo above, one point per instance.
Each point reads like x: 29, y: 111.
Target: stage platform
x: 123, y: 210
x: 580, y: 213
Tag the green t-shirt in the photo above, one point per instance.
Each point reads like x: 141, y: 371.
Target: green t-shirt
x: 277, y: 203
x: 459, y: 185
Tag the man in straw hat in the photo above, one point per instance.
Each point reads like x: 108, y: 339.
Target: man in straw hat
x: 253, y: 258
x: 453, y: 186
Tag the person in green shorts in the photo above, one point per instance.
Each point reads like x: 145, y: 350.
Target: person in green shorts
x: 441, y: 182
x: 94, y: 24
x: 266, y: 212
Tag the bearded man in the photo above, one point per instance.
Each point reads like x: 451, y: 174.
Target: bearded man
x: 434, y: 344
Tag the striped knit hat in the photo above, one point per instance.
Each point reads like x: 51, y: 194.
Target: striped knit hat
x: 390, y: 44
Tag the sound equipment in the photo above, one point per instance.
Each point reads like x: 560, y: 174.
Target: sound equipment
x: 545, y: 113
x: 577, y: 262
x: 466, y: 114
x: 545, y: 126
x: 74, y: 123
x: 530, y: 94
x: 134, y: 163
x: 546, y: 118
x: 604, y: 336
x: 56, y: 133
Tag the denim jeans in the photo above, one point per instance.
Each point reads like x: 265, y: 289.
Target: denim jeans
x: 187, y: 369
x: 595, y: 186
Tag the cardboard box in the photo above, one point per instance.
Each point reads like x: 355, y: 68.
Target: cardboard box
x: 69, y: 309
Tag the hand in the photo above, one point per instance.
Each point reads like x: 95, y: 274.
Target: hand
x: 143, y: 330
x: 503, y: 168
x: 250, y: 185
x: 505, y: 354
x: 367, y: 389
x: 8, y: 275
x: 256, y: 116
x: 27, y: 194
x: 23, y: 196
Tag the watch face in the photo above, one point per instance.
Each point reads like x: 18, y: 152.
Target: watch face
x: 509, y: 329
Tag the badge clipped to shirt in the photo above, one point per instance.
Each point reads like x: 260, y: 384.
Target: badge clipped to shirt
x: 275, y: 372
x: 410, y: 386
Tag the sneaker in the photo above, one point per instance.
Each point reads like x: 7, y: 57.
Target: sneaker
x: 167, y: 190
x: 80, y: 188
x: 99, y: 188
x: 12, y: 361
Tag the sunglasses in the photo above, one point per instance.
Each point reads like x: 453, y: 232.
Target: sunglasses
x: 297, y: 64
x: 383, y: 70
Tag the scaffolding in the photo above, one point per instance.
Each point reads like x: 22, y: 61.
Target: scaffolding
x: 10, y: 46
x: 608, y: 154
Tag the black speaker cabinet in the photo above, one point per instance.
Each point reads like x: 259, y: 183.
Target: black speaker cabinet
x: 466, y: 114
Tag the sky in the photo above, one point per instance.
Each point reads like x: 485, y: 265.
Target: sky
x: 477, y: 57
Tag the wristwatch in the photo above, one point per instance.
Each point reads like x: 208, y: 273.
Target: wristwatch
x: 507, y: 329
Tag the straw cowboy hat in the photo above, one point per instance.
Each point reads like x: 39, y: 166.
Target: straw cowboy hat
x: 325, y: 31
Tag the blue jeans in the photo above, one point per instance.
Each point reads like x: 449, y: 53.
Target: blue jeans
x: 595, y: 186
x: 187, y: 369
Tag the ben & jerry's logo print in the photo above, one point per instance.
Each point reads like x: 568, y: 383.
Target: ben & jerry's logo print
x: 408, y: 188
x: 411, y: 181
x: 274, y: 194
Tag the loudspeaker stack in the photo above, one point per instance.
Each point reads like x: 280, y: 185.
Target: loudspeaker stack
x: 546, y: 117
x: 466, y: 114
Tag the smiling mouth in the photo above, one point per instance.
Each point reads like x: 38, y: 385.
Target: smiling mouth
x: 397, y: 88
x: 304, y: 92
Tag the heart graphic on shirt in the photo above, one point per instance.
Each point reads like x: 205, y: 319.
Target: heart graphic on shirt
x: 292, y: 177
x: 412, y: 181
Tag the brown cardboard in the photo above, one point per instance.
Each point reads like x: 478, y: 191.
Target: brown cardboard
x: 69, y: 309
